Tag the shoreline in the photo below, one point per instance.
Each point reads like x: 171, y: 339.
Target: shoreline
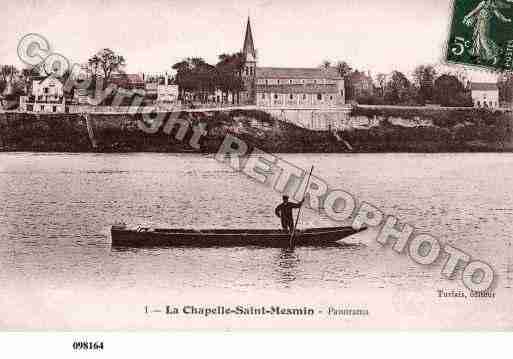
x: 384, y: 130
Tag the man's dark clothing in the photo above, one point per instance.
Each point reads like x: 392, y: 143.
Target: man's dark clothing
x: 284, y: 211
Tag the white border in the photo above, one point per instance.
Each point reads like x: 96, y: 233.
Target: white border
x: 262, y: 344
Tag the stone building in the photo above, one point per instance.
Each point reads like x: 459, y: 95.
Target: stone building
x: 276, y: 87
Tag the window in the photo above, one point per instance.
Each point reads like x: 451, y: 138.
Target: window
x: 278, y: 82
x: 290, y: 81
x: 331, y: 98
x: 54, y: 108
x: 46, y: 90
x: 267, y: 82
x: 341, y: 92
x: 304, y: 96
x: 275, y: 96
x: 478, y: 103
x: 315, y: 81
x: 319, y: 96
x: 291, y: 96
x: 263, y: 96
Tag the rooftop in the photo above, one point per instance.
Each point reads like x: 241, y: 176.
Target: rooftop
x: 302, y: 89
x: 297, y: 73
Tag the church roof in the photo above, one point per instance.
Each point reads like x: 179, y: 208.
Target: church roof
x: 301, y: 89
x: 297, y: 73
x: 249, y: 46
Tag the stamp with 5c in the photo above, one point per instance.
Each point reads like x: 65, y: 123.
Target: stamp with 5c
x: 481, y: 34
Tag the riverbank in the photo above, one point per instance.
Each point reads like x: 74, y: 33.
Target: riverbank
x: 379, y: 130
x: 121, y: 133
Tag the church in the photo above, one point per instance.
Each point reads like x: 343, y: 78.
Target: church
x: 278, y: 87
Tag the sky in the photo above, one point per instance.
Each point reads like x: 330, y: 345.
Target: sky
x: 374, y: 35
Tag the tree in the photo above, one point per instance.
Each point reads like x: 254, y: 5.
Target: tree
x: 8, y: 74
x: 105, y: 63
x: 343, y: 68
x: 398, y: 89
x: 182, y: 68
x: 195, y: 76
x: 449, y: 91
x: 326, y: 64
x: 229, y: 74
x: 424, y: 76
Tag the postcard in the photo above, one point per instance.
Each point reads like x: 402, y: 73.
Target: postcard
x: 258, y: 164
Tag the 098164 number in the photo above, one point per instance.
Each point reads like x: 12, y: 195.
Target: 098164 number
x: 87, y: 345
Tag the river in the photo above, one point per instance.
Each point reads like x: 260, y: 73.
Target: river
x: 58, y: 269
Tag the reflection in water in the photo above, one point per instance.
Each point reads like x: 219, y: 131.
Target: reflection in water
x: 286, y: 269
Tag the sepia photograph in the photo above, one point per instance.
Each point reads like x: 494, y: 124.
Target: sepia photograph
x: 256, y: 164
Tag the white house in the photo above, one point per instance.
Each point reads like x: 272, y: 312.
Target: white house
x: 47, y: 95
x: 485, y: 94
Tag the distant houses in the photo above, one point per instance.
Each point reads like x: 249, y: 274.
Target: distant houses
x: 485, y: 94
x: 47, y: 93
x: 128, y: 81
x: 268, y: 88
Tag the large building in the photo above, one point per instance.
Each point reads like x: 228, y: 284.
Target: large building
x: 278, y: 87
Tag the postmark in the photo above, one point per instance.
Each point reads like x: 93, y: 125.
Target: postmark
x: 481, y: 34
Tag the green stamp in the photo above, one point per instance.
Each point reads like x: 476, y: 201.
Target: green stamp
x: 482, y: 34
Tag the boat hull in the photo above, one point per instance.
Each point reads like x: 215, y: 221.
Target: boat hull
x: 149, y: 237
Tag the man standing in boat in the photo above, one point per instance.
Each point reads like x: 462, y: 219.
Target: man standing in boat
x: 284, y: 211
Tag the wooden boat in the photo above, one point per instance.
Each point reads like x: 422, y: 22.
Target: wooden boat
x: 122, y: 236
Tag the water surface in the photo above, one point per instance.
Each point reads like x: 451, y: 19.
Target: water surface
x: 55, y: 253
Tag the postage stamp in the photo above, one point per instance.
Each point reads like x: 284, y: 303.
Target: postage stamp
x: 481, y: 34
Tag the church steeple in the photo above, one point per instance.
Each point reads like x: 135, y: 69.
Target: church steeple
x: 249, y: 69
x: 249, y: 47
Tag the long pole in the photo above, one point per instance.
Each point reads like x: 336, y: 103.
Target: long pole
x: 299, y: 210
